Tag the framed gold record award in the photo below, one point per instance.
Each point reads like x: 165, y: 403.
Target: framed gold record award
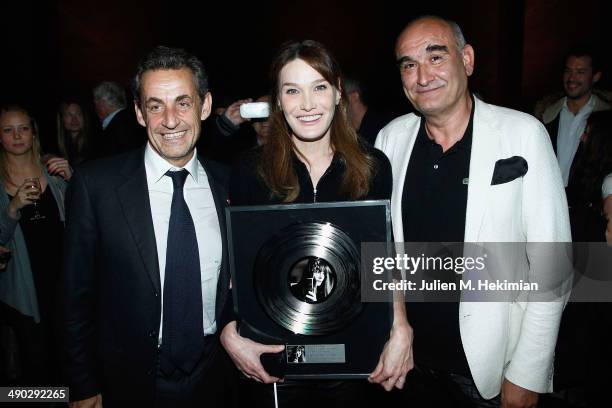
x: 297, y: 281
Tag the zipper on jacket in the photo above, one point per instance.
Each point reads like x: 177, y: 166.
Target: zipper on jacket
x: 314, y: 189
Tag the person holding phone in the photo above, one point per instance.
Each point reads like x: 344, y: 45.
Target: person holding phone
x: 312, y: 155
x: 31, y: 227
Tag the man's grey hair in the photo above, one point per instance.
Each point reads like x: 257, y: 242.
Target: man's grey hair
x: 111, y: 93
x: 352, y: 85
x: 457, y: 33
x: 355, y: 85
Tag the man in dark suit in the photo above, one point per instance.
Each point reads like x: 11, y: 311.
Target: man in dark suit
x: 146, y: 281
x: 367, y: 122
x: 120, y: 130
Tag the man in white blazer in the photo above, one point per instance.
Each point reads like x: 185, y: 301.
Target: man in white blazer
x: 508, y: 346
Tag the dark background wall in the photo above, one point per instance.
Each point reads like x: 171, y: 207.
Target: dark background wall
x: 550, y: 27
x: 58, y: 47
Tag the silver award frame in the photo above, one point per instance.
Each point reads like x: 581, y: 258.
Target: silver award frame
x: 296, y: 281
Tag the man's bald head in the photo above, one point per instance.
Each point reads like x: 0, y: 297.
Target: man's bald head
x: 435, y: 64
x: 452, y: 26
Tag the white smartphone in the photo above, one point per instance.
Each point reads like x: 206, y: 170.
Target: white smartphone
x: 255, y: 110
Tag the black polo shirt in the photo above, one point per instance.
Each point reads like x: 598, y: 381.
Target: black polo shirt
x: 434, y: 202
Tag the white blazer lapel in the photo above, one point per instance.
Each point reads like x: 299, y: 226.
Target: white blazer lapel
x: 403, y: 151
x: 485, y: 146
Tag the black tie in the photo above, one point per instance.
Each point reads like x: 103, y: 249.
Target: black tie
x: 183, y: 332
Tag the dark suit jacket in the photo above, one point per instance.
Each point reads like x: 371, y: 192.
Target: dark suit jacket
x: 122, y: 134
x: 111, y: 284
x: 371, y: 123
x: 553, y: 131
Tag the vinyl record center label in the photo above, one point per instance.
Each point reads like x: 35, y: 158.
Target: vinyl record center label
x: 312, y: 280
x: 306, y: 278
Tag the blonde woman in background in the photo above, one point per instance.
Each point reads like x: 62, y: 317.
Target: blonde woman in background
x: 31, y: 227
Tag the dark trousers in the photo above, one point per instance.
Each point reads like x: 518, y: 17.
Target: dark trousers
x: 432, y: 388
x: 209, y: 385
x: 37, y: 349
x: 583, y: 356
x: 306, y: 393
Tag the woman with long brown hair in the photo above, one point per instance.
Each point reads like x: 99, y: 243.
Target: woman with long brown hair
x: 74, y: 132
x: 313, y: 155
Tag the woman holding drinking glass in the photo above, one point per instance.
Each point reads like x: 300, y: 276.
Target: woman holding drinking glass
x: 312, y: 155
x: 31, y: 227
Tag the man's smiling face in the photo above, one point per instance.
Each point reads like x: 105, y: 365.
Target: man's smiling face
x: 434, y: 71
x: 172, y: 111
x: 578, y: 77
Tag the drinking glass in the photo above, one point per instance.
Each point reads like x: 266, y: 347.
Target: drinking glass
x: 33, y: 183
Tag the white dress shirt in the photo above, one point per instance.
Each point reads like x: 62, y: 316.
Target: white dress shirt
x: 606, y: 188
x: 107, y: 120
x: 199, y: 198
x: 571, y: 127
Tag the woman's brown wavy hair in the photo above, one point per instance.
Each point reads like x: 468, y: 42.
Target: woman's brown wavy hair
x: 85, y: 136
x: 275, y: 167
